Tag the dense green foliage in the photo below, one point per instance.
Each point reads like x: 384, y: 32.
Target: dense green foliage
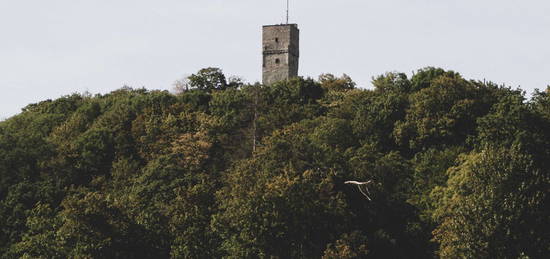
x: 461, y: 169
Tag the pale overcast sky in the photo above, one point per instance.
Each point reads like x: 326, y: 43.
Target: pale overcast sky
x: 51, y: 48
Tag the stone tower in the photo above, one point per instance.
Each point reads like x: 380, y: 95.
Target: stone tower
x: 281, y: 51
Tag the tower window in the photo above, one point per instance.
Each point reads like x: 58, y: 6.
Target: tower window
x: 276, y: 39
x: 277, y: 61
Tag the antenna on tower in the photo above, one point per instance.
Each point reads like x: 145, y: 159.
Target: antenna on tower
x: 287, y: 11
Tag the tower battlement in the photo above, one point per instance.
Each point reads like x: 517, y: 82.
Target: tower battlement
x: 281, y: 52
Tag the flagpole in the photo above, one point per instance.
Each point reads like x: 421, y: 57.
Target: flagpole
x: 287, y: 11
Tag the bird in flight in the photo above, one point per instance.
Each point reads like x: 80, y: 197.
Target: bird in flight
x: 361, y: 184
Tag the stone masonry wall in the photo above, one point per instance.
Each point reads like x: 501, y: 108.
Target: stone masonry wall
x: 281, y: 54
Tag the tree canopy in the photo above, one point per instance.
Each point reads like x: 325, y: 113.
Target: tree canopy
x: 223, y: 169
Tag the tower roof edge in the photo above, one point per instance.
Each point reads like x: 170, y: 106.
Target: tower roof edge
x: 282, y: 24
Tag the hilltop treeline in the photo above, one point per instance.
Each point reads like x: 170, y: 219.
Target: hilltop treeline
x: 460, y: 169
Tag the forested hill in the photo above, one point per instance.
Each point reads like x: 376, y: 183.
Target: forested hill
x: 459, y: 169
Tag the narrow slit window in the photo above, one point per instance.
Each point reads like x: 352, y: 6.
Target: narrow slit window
x: 276, y: 39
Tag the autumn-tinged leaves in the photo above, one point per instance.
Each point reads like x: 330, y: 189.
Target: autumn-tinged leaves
x: 227, y: 170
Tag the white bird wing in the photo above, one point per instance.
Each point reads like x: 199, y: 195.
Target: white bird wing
x: 359, y: 184
x: 356, y: 182
x: 359, y: 187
